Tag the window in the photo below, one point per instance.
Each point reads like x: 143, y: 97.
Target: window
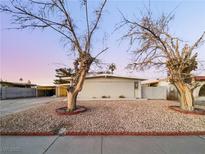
x: 136, y: 84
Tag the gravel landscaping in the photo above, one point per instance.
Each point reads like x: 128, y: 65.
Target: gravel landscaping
x: 105, y: 116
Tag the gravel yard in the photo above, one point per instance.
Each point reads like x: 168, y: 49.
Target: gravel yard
x: 105, y: 116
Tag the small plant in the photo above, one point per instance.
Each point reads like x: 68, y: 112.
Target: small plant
x: 105, y: 96
x: 122, y: 96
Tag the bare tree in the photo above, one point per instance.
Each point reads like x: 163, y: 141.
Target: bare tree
x: 159, y: 48
x: 55, y: 14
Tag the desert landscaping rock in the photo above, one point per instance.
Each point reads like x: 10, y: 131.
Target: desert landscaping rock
x: 105, y: 116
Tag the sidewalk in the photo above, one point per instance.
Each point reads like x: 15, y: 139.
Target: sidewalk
x: 102, y: 145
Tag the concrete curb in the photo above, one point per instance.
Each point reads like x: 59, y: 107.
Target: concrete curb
x: 73, y: 133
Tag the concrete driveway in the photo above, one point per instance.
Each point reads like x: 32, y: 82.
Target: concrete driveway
x: 16, y: 105
x: 102, y: 145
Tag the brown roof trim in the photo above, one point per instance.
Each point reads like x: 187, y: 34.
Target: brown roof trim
x: 199, y: 78
x: 16, y: 83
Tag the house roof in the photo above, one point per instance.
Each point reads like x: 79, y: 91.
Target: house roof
x: 150, y: 81
x: 197, y: 78
x: 17, y: 83
x: 94, y: 76
x: 46, y: 87
x: 112, y: 76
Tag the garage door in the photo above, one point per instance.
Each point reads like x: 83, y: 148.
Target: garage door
x: 107, y: 88
x: 154, y: 92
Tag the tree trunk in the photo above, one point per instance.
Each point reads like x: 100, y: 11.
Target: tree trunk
x: 71, y: 102
x: 72, y: 92
x: 186, y: 96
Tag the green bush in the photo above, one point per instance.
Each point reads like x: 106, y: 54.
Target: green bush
x: 122, y: 96
x: 105, y: 96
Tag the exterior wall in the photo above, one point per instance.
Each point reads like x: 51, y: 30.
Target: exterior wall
x: 163, y: 83
x: 138, y: 91
x: 61, y: 90
x: 196, y: 91
x: 108, y: 87
x: 172, y: 93
x: 154, y: 92
x: 202, y: 91
x: 14, y: 92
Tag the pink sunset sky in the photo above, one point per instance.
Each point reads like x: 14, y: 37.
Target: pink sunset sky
x: 34, y: 55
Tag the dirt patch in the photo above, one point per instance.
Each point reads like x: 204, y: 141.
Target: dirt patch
x: 63, y: 110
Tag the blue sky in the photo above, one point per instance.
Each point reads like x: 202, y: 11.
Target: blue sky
x: 34, y: 55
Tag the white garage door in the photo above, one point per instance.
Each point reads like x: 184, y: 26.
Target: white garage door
x: 154, y: 92
x: 113, y: 88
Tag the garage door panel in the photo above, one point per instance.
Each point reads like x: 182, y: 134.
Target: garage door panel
x: 107, y: 88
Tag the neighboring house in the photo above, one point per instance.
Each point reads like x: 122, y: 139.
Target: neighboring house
x: 171, y: 91
x: 45, y: 91
x: 11, y: 90
x: 16, y: 90
x: 16, y: 84
x: 61, y: 90
x: 102, y: 86
x: 155, y: 89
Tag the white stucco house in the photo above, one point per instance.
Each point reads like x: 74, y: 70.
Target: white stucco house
x: 107, y: 86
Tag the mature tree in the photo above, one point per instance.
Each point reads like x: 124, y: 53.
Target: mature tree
x: 112, y: 67
x: 56, y: 15
x: 157, y: 47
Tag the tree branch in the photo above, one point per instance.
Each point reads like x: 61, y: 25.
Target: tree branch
x: 99, y: 14
x: 100, y: 53
x: 197, y: 42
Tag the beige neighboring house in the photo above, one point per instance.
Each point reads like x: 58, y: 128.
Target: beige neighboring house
x: 107, y: 86
x: 199, y: 92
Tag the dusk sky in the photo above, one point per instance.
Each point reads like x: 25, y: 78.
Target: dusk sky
x: 35, y: 54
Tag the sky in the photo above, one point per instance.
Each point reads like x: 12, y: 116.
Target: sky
x: 35, y: 54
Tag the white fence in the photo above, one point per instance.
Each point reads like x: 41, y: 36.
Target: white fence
x: 14, y: 92
x: 154, y: 92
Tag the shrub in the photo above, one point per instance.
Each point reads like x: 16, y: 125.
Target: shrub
x: 122, y: 96
x: 105, y: 96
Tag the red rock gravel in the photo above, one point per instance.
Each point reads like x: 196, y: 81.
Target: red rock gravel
x: 105, y: 116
